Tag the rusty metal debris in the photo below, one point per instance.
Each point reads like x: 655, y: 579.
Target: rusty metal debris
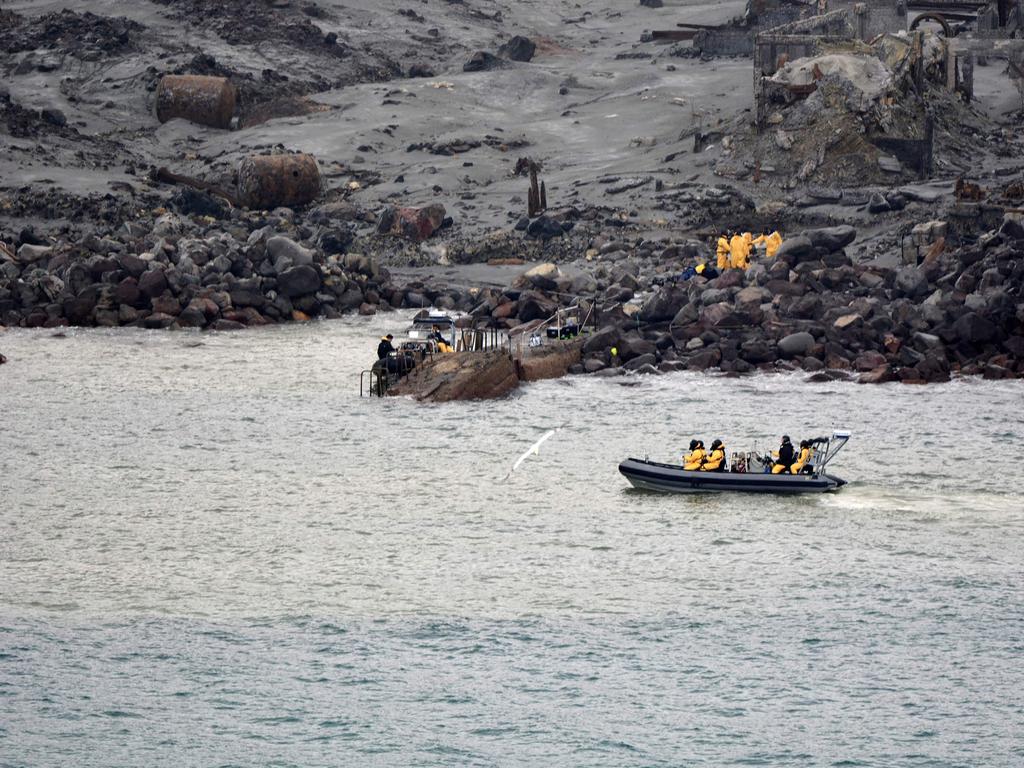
x: 198, y: 99
x: 166, y: 176
x: 537, y: 199
x: 966, y: 190
x: 270, y: 181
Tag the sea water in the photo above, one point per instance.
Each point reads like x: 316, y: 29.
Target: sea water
x: 214, y: 552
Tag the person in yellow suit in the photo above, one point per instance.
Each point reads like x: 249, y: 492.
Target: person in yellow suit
x: 771, y: 243
x: 741, y: 259
x: 738, y: 251
x: 715, y: 462
x: 695, y: 457
x: 802, y: 463
x: 723, y: 253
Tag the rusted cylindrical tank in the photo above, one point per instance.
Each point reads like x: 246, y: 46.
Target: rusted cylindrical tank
x: 196, y: 98
x: 270, y: 181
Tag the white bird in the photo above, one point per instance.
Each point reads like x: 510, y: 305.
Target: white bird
x: 535, y: 448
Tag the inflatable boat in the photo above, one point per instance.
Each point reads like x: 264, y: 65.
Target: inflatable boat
x: 749, y: 473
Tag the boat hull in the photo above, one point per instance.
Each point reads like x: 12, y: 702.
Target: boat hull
x: 669, y: 478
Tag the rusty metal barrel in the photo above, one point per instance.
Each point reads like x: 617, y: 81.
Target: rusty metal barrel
x: 196, y: 98
x: 271, y: 181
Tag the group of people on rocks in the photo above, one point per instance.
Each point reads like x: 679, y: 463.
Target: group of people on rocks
x: 786, y: 459
x: 733, y: 251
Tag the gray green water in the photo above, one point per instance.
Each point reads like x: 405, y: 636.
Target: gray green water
x: 212, y: 552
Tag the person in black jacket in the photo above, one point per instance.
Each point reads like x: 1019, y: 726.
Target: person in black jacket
x: 785, y: 457
x: 385, y: 347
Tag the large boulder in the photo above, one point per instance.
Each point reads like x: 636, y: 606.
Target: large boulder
x: 663, y: 305
x: 634, y: 346
x: 153, y: 283
x: 794, y: 248
x: 831, y: 238
x: 298, y: 281
x: 604, y: 339
x: 543, y: 276
x: 280, y: 247
x: 518, y: 48
x: 795, y: 344
x: 974, y: 329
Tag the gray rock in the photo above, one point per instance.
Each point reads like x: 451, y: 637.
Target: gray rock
x: 796, y: 344
x: 299, y: 281
x: 280, y: 247
x: 831, y: 238
x: 794, y: 247
x: 911, y: 282
x: 663, y: 305
x: 28, y: 253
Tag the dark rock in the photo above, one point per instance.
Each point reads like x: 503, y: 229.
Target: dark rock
x: 633, y: 346
x: 519, y: 48
x: 189, y: 201
x: 1013, y: 226
x: 482, y: 61
x: 974, y: 329
x: 127, y: 292
x: 756, y: 352
x: 704, y: 359
x: 420, y: 70
x: 878, y: 203
x: 416, y: 224
x: 298, y: 281
x: 880, y: 375
x: 604, y: 339
x: 544, y: 228
x: 663, y: 305
x: 226, y: 325
x: 53, y: 117
x: 153, y: 283
x: 640, y: 361
x: 652, y: 3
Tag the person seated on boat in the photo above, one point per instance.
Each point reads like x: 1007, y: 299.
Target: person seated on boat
x: 784, y: 458
x: 385, y: 347
x: 695, y: 457
x: 802, y: 465
x: 715, y: 461
x: 437, y: 337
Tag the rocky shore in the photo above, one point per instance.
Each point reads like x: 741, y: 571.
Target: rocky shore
x: 910, y: 281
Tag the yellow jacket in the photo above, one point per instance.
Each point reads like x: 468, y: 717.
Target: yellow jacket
x: 723, y: 253
x: 714, y: 460
x: 772, y: 243
x: 738, y: 250
x: 801, y: 460
x: 693, y: 459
